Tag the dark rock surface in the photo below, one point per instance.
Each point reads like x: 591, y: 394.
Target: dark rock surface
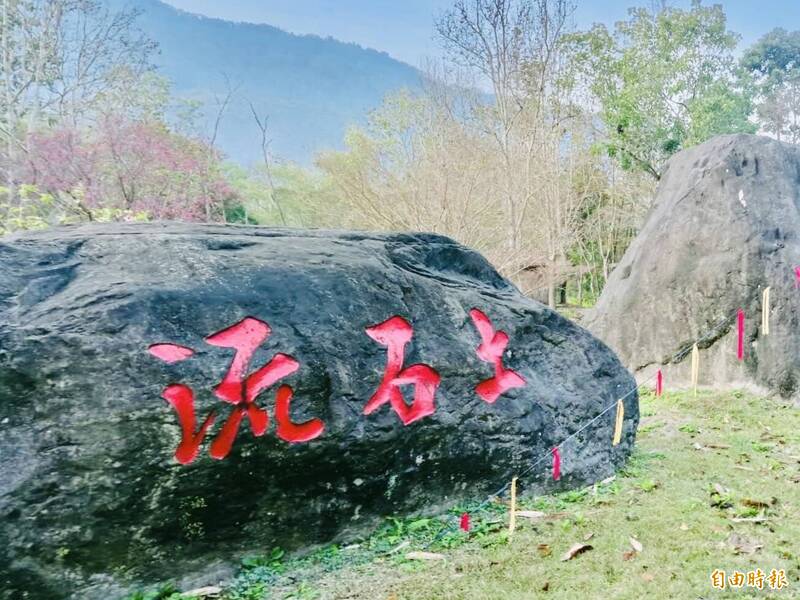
x: 725, y: 225
x: 92, y: 500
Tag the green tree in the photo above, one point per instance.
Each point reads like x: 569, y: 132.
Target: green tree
x: 664, y: 80
x: 286, y: 196
x: 773, y: 62
x: 60, y: 59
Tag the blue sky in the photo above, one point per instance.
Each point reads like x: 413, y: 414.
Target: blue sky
x: 404, y: 28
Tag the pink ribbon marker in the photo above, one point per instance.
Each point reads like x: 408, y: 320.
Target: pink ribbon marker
x: 556, y: 464
x: 465, y: 522
x: 740, y: 341
x: 796, y: 277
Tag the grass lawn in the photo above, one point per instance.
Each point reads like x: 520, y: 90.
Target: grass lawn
x: 713, y: 484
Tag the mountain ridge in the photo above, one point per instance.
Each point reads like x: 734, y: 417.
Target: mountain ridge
x: 311, y: 88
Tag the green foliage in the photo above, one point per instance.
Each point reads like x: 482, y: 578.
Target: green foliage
x: 664, y: 81
x: 165, y: 592
x: 237, y: 213
x: 647, y: 485
x: 282, y: 195
x: 774, y: 58
x: 773, y: 63
x: 271, y: 560
x: 303, y: 591
x: 29, y: 209
x: 574, y: 496
x: 32, y: 209
x: 721, y: 109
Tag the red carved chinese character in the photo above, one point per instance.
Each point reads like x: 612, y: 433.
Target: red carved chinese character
x: 293, y: 432
x: 181, y: 398
x: 237, y: 388
x: 395, y: 333
x: 491, y: 350
x: 170, y: 353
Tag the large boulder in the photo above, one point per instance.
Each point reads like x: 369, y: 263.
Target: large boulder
x: 725, y: 224
x: 173, y: 396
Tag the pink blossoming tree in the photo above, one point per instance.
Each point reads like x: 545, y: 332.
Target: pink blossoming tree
x: 125, y: 169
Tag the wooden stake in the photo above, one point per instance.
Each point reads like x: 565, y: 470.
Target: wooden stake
x: 512, y: 517
x: 695, y: 367
x: 618, y: 425
x: 765, y: 312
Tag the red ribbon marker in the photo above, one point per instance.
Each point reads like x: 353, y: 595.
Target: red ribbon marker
x: 659, y: 383
x: 796, y: 277
x: 556, y: 464
x: 740, y: 344
x: 465, y: 522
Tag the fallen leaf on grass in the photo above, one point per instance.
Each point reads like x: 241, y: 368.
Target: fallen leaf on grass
x: 588, y: 536
x: 757, y: 503
x: 544, y: 550
x: 749, y: 519
x: 636, y: 544
x: 720, y: 490
x: 647, y: 577
x: 531, y: 514
x: 211, y: 591
x: 575, y: 550
x: 628, y: 554
x: 742, y: 545
x: 546, y: 586
x: 684, y: 527
x: 718, y: 446
x: 400, y: 547
x: 424, y: 556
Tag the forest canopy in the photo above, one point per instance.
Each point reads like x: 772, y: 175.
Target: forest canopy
x: 534, y: 142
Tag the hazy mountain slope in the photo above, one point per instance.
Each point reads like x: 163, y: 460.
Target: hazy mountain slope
x: 311, y: 88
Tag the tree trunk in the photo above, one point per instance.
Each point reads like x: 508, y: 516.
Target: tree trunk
x: 9, y: 116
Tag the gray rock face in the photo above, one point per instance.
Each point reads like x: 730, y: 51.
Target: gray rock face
x: 174, y: 396
x: 725, y: 225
